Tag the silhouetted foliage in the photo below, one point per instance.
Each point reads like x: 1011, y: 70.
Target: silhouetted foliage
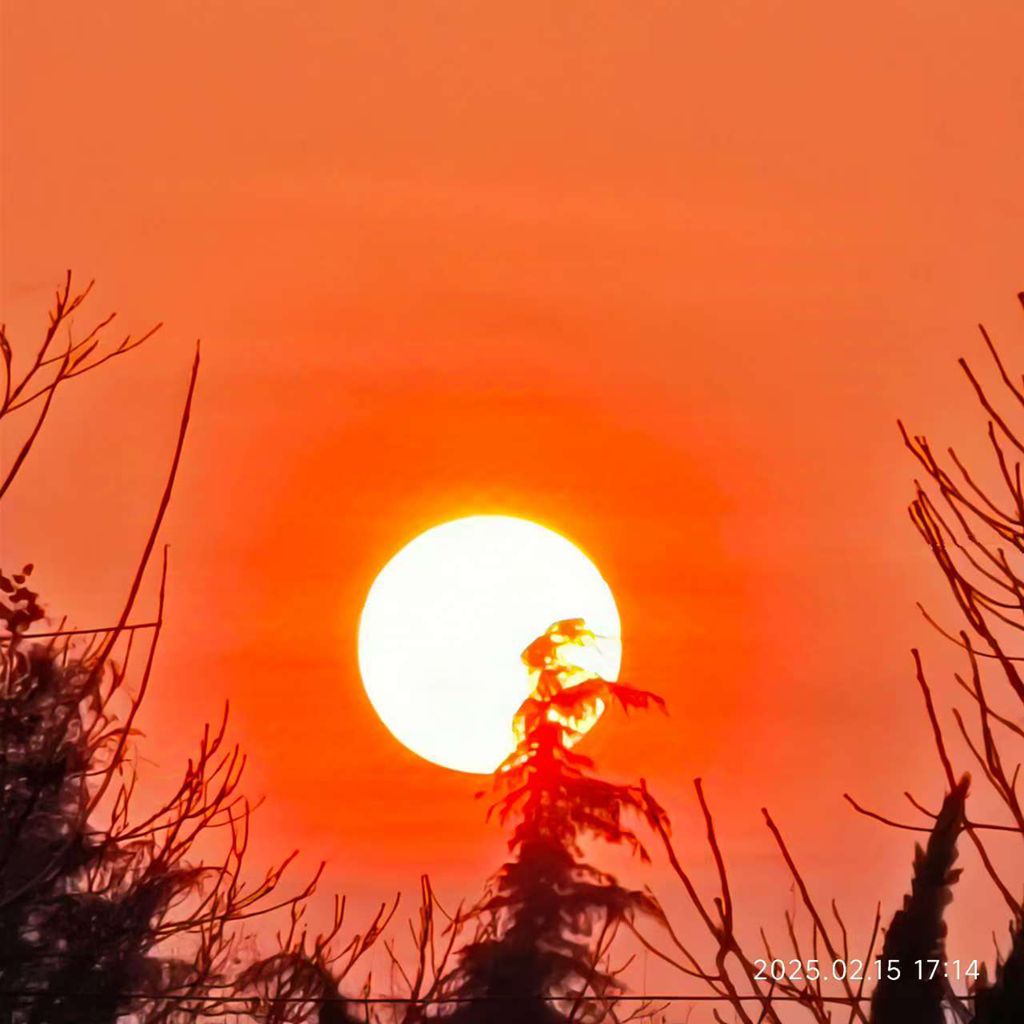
x: 79, y: 915
x: 547, y: 920
x: 972, y: 522
x: 106, y: 912
x: 103, y: 913
x: 976, y: 535
x: 918, y: 931
x: 1001, y: 1001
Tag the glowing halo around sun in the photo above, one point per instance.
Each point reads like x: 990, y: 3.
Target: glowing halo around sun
x: 447, y: 618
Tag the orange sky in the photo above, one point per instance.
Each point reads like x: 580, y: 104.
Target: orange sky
x: 659, y: 275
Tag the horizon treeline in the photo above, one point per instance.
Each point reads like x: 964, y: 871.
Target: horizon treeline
x: 109, y: 913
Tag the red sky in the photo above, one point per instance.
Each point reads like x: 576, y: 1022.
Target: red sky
x: 661, y: 276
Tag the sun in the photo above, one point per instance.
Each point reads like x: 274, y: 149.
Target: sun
x: 447, y: 618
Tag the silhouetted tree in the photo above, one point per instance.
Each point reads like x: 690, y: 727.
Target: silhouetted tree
x: 917, y: 932
x: 975, y: 532
x: 547, y: 920
x: 106, y: 912
x: 972, y: 521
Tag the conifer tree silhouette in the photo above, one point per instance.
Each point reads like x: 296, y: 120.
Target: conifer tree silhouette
x: 547, y: 919
x: 77, y: 926
x: 105, y: 912
x: 918, y: 931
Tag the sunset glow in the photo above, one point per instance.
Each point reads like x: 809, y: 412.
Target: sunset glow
x: 551, y: 448
x: 445, y: 623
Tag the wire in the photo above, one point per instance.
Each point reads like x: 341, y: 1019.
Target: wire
x: 678, y: 997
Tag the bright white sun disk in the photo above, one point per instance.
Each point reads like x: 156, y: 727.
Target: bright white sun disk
x: 446, y: 620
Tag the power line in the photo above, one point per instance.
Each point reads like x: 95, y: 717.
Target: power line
x: 678, y: 997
